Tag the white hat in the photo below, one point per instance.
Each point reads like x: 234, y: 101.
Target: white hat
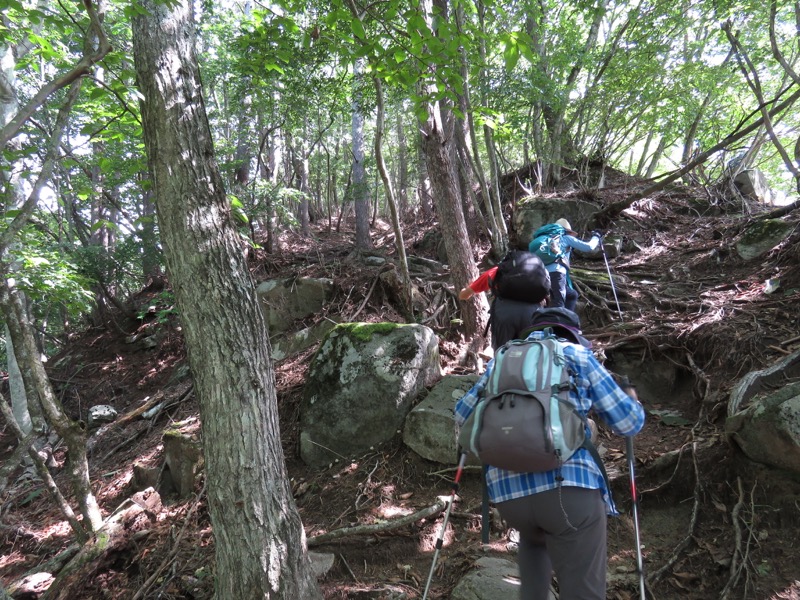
x: 565, y: 224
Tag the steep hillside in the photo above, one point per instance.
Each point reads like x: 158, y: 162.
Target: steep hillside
x: 688, y: 306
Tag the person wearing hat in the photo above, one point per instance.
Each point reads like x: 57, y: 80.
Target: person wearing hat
x: 561, y: 291
x: 561, y: 514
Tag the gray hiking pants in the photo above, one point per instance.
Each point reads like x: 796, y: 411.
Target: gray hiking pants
x: 561, y: 530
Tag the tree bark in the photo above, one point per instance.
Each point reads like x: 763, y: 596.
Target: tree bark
x: 259, y: 539
x: 16, y: 389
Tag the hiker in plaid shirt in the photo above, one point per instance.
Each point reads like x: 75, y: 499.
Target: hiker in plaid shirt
x: 561, y: 514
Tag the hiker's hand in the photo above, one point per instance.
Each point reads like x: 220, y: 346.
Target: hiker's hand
x: 627, y: 386
x: 466, y: 293
x: 623, y: 381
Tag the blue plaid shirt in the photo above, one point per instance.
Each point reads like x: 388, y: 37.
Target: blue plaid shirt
x: 596, y: 389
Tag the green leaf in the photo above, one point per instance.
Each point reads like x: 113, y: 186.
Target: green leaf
x: 358, y: 29
x: 511, y: 55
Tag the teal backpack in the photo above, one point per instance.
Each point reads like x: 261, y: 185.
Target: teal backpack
x: 548, y: 243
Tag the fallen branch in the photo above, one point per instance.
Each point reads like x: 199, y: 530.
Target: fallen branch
x: 124, y: 419
x: 113, y: 536
x: 377, y: 527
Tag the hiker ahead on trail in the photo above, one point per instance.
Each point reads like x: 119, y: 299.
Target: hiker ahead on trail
x: 519, y: 285
x: 553, y: 243
x: 560, y: 513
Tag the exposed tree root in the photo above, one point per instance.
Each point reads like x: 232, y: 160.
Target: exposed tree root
x: 684, y: 543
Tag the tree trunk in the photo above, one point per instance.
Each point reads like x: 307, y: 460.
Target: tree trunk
x: 402, y: 168
x: 16, y: 388
x: 360, y: 187
x: 436, y: 140
x: 151, y: 257
x: 259, y: 539
x: 405, y: 276
x: 424, y: 187
x: 299, y: 169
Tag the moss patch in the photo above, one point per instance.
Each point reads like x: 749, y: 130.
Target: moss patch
x: 365, y: 331
x: 768, y: 228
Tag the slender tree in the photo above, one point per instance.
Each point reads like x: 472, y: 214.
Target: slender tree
x: 437, y: 136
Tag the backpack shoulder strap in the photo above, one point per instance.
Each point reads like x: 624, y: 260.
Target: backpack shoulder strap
x: 564, y: 391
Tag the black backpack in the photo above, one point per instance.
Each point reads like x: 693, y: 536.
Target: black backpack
x: 521, y: 276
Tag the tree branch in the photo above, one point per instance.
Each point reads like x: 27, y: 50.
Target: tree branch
x: 615, y: 208
x: 82, y: 68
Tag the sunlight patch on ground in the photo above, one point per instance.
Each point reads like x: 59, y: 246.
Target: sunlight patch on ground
x: 10, y: 559
x: 428, y: 537
x: 790, y: 593
x: 388, y: 511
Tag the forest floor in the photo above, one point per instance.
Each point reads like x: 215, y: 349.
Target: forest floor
x: 713, y: 525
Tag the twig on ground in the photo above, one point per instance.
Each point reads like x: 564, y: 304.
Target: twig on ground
x: 366, y: 299
x: 349, y: 570
x: 665, y: 459
x: 441, y: 473
x: 791, y: 340
x: 173, y: 553
x: 365, y: 487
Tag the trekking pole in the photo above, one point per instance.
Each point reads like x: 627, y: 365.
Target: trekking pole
x: 631, y: 391
x: 611, y: 280
x: 440, y: 539
x: 485, y: 522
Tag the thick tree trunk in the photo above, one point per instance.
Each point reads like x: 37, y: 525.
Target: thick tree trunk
x: 259, y: 539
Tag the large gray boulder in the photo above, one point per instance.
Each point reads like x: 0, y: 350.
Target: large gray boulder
x: 291, y: 343
x: 286, y: 300
x: 764, y: 415
x: 430, y: 428
x: 491, y: 579
x: 361, y: 385
x: 753, y: 184
x: 761, y: 237
x: 534, y: 212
